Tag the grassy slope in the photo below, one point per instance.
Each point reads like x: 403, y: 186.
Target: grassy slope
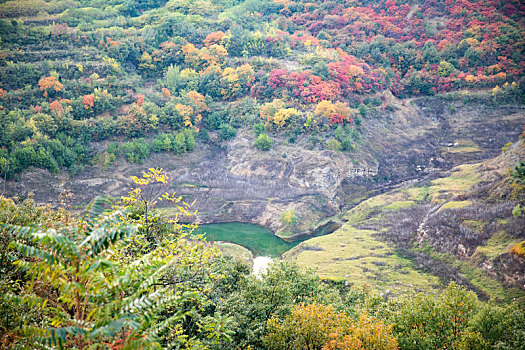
x: 357, y: 255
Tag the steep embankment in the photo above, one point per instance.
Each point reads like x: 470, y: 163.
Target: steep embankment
x: 457, y: 226
x: 233, y: 181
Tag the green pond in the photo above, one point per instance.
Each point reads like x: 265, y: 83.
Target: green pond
x: 260, y: 240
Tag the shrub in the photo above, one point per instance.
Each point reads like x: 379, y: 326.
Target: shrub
x: 189, y: 138
x: 288, y: 217
x: 263, y: 142
x: 347, y: 144
x: 517, y: 211
x: 519, y: 249
x: 334, y: 145
x: 227, y: 132
x: 135, y: 151
x: 258, y: 129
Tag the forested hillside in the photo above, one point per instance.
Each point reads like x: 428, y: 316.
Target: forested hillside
x: 385, y: 136
x: 87, y: 82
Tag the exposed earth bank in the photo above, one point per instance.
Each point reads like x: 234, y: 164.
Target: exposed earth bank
x: 233, y: 181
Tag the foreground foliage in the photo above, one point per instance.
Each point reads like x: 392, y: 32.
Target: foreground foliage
x: 97, y: 281
x: 85, y: 295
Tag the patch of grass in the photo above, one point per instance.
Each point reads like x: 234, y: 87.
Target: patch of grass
x: 357, y: 214
x: 357, y: 257
x: 237, y: 252
x: 192, y: 185
x: 284, y: 235
x: 461, y: 180
x: 391, y: 200
x: 502, y: 222
x: 498, y: 244
x: 398, y: 205
x: 455, y: 205
x: 475, y: 275
x: 465, y: 146
x: 418, y: 194
x: 460, y: 149
x: 475, y: 224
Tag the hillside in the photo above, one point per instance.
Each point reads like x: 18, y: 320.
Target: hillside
x: 379, y: 144
x: 91, y: 82
x: 327, y: 105
x: 457, y: 225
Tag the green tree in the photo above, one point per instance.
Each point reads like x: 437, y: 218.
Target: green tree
x: 429, y: 322
x: 446, y: 68
x: 252, y: 300
x: 500, y: 327
x: 334, y: 145
x: 259, y: 128
x: 288, y: 217
x: 94, y: 299
x: 150, y: 189
x: 430, y: 53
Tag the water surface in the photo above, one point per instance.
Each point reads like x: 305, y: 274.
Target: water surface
x: 260, y: 240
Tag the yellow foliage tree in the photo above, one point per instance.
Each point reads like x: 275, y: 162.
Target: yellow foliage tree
x: 282, y: 116
x: 355, y: 72
x: 330, y: 110
x: 236, y: 80
x: 276, y: 112
x: 214, y: 55
x: 325, y: 108
x: 186, y: 112
x: 198, y: 101
x: 146, y: 62
x: 189, y: 115
x: 318, y: 326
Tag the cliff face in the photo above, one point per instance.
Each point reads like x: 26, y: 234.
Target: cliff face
x: 233, y: 181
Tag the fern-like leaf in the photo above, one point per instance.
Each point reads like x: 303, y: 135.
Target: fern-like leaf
x: 102, y: 237
x: 94, y: 211
x: 34, y: 252
x: 112, y: 328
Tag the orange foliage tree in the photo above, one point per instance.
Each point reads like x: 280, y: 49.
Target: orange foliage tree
x: 166, y: 92
x: 57, y: 108
x: 137, y: 122
x: 50, y: 85
x: 198, y: 101
x: 140, y: 100
x: 214, y: 38
x: 191, y: 55
x: 88, y: 101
